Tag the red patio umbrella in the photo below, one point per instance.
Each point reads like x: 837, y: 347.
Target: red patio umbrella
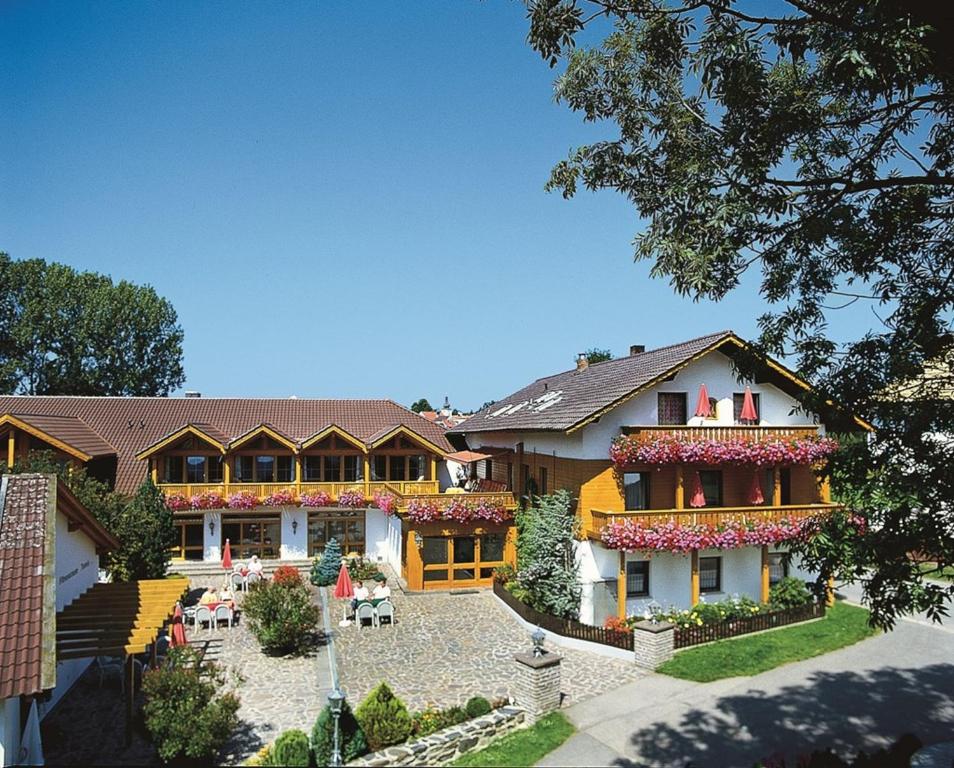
x: 227, y: 556
x: 755, y: 491
x: 702, y: 406
x: 748, y: 407
x: 344, y: 590
x: 698, y: 495
x: 177, y: 636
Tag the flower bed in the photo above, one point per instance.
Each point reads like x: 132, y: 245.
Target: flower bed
x: 458, y: 509
x: 633, y: 536
x: 760, y: 451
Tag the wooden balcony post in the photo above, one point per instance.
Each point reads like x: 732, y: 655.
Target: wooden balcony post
x: 825, y: 490
x: 830, y: 592
x: 680, y: 488
x: 226, y: 473
x: 11, y: 447
x: 154, y: 464
x: 694, y: 565
x: 765, y: 574
x: 776, y: 486
x: 367, y: 474
x: 621, y: 586
x: 298, y: 473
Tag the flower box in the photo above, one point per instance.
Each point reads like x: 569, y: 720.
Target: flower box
x: 759, y: 451
x: 243, y: 500
x: 319, y: 499
x: 352, y: 498
x: 279, y: 499
x: 633, y: 535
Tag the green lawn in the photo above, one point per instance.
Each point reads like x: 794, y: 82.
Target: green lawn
x: 945, y: 574
x: 523, y: 748
x: 844, y: 625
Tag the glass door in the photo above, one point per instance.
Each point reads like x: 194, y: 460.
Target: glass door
x: 247, y: 537
x: 190, y: 544
x: 461, y: 561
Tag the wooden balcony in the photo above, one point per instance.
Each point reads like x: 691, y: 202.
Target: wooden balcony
x: 504, y: 499
x: 261, y: 490
x: 728, y: 432
x: 706, y: 515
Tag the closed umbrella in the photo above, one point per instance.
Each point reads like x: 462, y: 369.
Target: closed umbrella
x: 748, y: 407
x: 755, y: 491
x: 227, y: 556
x: 344, y: 590
x: 698, y: 495
x: 177, y: 637
x: 702, y: 406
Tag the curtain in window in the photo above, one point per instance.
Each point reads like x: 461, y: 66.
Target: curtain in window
x: 671, y: 407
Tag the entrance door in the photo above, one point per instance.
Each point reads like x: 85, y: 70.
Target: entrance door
x: 258, y: 536
x: 190, y: 544
x: 461, y: 561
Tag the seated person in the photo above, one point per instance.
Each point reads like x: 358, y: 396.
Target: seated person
x: 255, y: 565
x: 225, y: 593
x: 209, y: 596
x: 382, y: 591
x: 361, y: 594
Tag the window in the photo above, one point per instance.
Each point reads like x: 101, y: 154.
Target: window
x: 671, y: 408
x: 710, y: 574
x: 713, y: 409
x: 711, y: 486
x: 313, y: 469
x: 353, y: 469
x: 509, y: 476
x: 195, y: 469
x: 416, y: 467
x: 173, y: 469
x: 396, y: 465
x: 214, y: 464
x: 785, y: 475
x: 543, y: 480
x: 379, y: 468
x: 285, y: 469
x: 778, y: 568
x: 488, y: 469
x: 637, y: 578
x: 332, y: 473
x: 243, y: 469
x: 738, y: 398
x: 636, y: 490
x: 265, y: 469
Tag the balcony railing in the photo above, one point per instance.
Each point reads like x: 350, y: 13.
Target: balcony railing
x: 504, y: 499
x: 707, y: 515
x: 261, y: 490
x: 728, y: 432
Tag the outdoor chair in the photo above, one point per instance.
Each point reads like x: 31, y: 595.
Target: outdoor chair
x: 204, y: 614
x: 107, y: 665
x: 222, y: 613
x: 238, y: 581
x: 252, y: 578
x: 365, y: 611
x: 385, y: 610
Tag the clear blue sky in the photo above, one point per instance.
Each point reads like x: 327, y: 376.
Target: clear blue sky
x: 341, y: 199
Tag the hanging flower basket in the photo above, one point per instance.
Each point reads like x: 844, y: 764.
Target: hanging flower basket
x: 319, y: 499
x: 628, y: 450
x: 207, y: 500
x: 178, y: 502
x: 386, y: 502
x: 243, y: 500
x: 352, y: 498
x: 633, y: 536
x: 283, y: 498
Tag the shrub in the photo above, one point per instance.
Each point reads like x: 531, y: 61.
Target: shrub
x: 617, y: 624
x: 324, y: 571
x: 185, y: 712
x: 291, y: 748
x: 362, y: 569
x: 789, y: 593
x: 504, y: 573
x: 477, y: 706
x: 281, y: 616
x: 353, y: 743
x: 431, y: 720
x: 146, y: 533
x: 383, y: 718
x: 286, y: 575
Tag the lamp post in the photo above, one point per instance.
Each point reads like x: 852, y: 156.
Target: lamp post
x: 537, y: 637
x: 336, y: 703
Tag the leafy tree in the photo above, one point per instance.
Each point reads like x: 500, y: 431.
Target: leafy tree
x: 291, y: 749
x: 419, y: 406
x: 64, y: 332
x: 813, y: 144
x: 282, y: 615
x: 352, y: 742
x: 384, y: 718
x: 596, y: 355
x: 487, y: 404
x: 146, y: 533
x: 324, y: 570
x: 546, y: 565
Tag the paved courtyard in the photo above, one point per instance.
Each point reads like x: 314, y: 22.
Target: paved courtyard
x: 446, y: 648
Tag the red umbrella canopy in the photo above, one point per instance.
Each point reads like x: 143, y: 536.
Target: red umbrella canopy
x: 698, y: 495
x: 344, y: 589
x: 702, y: 406
x: 748, y: 407
x: 227, y: 556
x: 755, y: 491
x: 177, y: 637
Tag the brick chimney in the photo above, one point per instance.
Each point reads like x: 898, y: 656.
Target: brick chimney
x: 192, y: 393
x: 581, y: 363
x: 637, y: 349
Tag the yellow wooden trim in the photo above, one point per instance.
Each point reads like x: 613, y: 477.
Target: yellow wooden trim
x: 776, y: 486
x: 401, y: 429
x: 694, y: 579
x: 266, y: 430
x: 680, y: 488
x: 154, y: 471
x: 11, y: 448
x: 46, y: 438
x: 336, y: 430
x: 188, y: 429
x: 764, y: 597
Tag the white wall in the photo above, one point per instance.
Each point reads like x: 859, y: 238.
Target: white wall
x: 77, y: 564
x: 445, y: 473
x: 212, y: 541
x: 294, y: 544
x: 9, y: 730
x: 741, y: 573
x: 376, y: 534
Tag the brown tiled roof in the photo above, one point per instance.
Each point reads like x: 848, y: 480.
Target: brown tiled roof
x: 27, y: 589
x: 69, y: 430
x: 562, y: 401
x: 132, y: 424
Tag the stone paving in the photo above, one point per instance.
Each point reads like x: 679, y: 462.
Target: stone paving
x: 445, y: 648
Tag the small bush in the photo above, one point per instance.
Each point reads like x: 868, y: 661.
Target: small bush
x: 383, y: 718
x: 505, y: 573
x: 281, y: 616
x: 363, y: 569
x: 477, y: 706
x: 185, y: 712
x: 789, y: 593
x: 431, y: 720
x: 292, y: 749
x: 286, y: 575
x: 617, y: 624
x: 324, y: 570
x: 353, y: 743
x: 262, y: 757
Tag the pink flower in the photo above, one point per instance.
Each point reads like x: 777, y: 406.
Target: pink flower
x: 282, y: 498
x: 319, y: 499
x: 177, y: 502
x: 632, y: 535
x: 386, y: 502
x: 243, y: 500
x: 352, y: 498
x: 207, y: 500
x: 756, y: 450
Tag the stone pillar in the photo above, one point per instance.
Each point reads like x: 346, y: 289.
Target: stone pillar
x: 536, y: 684
x: 653, y: 643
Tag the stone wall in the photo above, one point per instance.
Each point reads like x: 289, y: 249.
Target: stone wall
x: 447, y: 745
x: 652, y: 643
